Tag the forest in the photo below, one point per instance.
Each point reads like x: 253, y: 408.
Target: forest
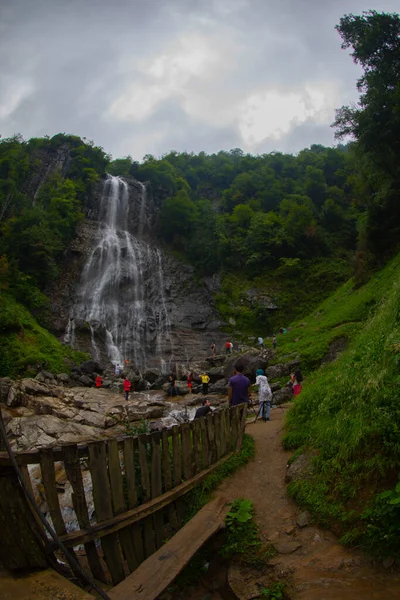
x: 292, y: 226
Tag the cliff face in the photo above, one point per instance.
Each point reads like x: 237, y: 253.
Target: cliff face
x: 164, y: 314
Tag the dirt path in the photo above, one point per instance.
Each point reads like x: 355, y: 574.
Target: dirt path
x: 320, y: 568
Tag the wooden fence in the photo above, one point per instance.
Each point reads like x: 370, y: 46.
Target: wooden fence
x: 137, y: 486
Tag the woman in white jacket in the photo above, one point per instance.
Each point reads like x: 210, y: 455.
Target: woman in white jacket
x: 264, y: 395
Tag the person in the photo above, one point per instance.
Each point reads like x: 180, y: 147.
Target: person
x: 296, y: 378
x: 261, y: 342
x: 274, y: 342
x: 264, y: 394
x: 117, y: 370
x: 205, y: 380
x: 213, y: 349
x: 231, y: 347
x: 98, y: 381
x: 190, y: 382
x: 238, y: 387
x: 172, y: 389
x: 127, y: 388
x: 202, y: 411
x: 228, y: 347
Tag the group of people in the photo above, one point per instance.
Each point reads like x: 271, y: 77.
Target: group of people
x: 262, y: 345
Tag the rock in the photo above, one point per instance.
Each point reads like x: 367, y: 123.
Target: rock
x: 151, y: 375
x: 62, y: 377
x: 91, y: 366
x: 251, y: 361
x: 85, y: 380
x: 388, y: 562
x: 216, y: 373
x: 278, y: 371
x: 284, y: 546
x: 281, y: 396
x: 220, y: 387
x: 47, y: 375
x: 303, y: 519
x: 106, y: 383
x: 299, y: 469
x: 275, y: 387
x: 5, y: 386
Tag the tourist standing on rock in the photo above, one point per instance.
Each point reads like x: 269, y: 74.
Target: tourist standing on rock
x: 190, y: 382
x: 228, y: 347
x: 205, y: 380
x: 274, y: 342
x: 261, y: 342
x: 238, y: 387
x: 117, y: 370
x: 202, y: 411
x: 172, y: 389
x: 264, y: 395
x: 213, y: 349
x: 127, y: 388
x: 98, y: 381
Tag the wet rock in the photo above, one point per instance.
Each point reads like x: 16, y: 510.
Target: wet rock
x: 299, y: 469
x: 303, y: 519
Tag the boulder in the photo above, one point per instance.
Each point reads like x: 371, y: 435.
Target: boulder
x: 278, y: 371
x: 299, y: 469
x: 90, y: 366
x: 282, y: 396
x: 219, y: 387
x: 216, y: 373
x: 85, y: 380
x: 251, y: 361
x: 152, y: 375
x: 47, y: 375
x: 62, y: 378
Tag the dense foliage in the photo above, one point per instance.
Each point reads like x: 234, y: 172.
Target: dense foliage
x: 43, y: 187
x: 375, y: 124
x: 347, y: 418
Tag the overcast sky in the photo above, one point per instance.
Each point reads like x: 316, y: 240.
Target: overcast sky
x: 148, y: 76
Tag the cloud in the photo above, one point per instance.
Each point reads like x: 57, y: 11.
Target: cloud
x: 143, y: 77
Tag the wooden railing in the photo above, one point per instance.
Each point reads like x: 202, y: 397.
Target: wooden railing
x: 137, y: 486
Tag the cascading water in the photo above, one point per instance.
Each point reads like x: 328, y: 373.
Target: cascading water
x: 121, y: 297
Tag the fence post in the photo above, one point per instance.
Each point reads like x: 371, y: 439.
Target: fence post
x: 21, y: 546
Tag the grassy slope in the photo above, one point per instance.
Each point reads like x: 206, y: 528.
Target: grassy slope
x: 24, y: 344
x: 349, y: 411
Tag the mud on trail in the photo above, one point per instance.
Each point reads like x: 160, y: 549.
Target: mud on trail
x: 313, y: 562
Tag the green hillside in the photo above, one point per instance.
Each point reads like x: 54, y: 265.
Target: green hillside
x: 26, y: 346
x: 348, y: 417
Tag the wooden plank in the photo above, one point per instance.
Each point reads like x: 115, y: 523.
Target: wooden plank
x: 50, y: 488
x: 137, y: 514
x: 156, y: 487
x: 242, y: 426
x: 187, y: 451
x: 72, y: 467
x: 28, y: 482
x: 157, y: 572
x: 212, y: 452
x: 223, y: 431
x: 176, y: 456
x: 196, y: 436
x: 204, y: 442
x: 130, y: 448
x: 234, y: 426
x: 103, y: 506
x: 167, y: 475
x: 118, y: 501
x: 217, y: 434
x: 21, y: 546
x: 148, y: 528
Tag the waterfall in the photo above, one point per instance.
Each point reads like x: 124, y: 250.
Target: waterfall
x: 121, y: 294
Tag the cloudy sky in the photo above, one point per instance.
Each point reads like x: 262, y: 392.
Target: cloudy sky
x: 148, y: 76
